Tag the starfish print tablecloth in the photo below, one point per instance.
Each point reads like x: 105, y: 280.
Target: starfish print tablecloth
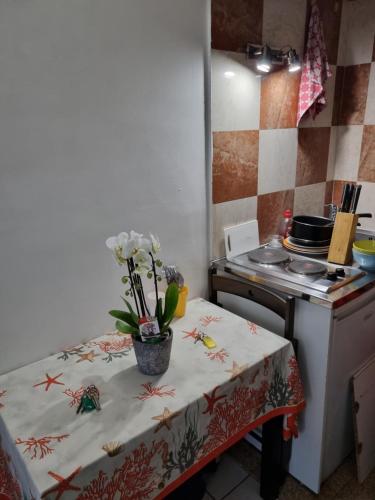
x: 152, y: 432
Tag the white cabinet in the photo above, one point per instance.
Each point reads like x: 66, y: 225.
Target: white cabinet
x: 352, y: 342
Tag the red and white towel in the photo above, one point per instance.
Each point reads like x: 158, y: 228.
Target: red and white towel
x: 315, y: 69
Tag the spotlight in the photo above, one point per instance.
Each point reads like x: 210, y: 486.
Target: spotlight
x: 293, y: 61
x: 264, y: 62
x: 229, y: 74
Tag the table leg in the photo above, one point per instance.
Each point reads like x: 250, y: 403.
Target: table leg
x: 275, y: 458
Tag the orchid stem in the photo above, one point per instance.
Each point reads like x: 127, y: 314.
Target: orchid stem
x: 132, y: 285
x: 155, y: 278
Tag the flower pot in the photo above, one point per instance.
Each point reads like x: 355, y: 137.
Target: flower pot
x: 153, y: 359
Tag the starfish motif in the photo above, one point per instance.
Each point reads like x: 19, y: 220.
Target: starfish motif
x: 50, y: 381
x: 212, y: 400
x: 63, y: 484
x: 165, y: 419
x: 237, y: 371
x: 87, y: 356
x: 193, y: 334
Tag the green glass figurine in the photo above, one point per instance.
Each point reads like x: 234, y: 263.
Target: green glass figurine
x: 89, y: 400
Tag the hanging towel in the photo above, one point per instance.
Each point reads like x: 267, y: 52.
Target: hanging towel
x: 315, y: 69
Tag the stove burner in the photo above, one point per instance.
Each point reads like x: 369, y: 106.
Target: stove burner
x: 307, y: 267
x: 269, y: 256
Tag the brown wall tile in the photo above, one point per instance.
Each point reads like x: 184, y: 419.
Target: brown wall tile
x: 330, y: 12
x: 270, y: 210
x: 367, y: 161
x: 312, y: 156
x: 351, y: 94
x: 373, y: 50
x: 235, y: 165
x: 279, y: 100
x: 236, y: 22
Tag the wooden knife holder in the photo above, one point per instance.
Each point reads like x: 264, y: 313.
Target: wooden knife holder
x: 340, y: 249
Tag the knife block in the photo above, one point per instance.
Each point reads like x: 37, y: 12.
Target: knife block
x: 340, y: 249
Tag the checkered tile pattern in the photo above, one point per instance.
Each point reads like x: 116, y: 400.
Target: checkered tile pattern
x: 262, y: 163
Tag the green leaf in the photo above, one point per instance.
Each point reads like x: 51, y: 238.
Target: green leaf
x: 159, y: 312
x: 171, y: 300
x: 134, y: 316
x: 124, y: 316
x: 123, y: 328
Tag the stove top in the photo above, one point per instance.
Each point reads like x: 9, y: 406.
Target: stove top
x: 312, y: 273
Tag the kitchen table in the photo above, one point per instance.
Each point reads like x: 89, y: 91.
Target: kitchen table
x: 151, y: 433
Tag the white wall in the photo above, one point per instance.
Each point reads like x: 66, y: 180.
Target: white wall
x: 101, y: 130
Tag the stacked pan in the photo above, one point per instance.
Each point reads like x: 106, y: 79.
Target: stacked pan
x: 309, y: 235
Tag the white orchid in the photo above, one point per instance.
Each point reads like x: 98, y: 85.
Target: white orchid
x: 140, y: 242
x: 155, y: 243
x: 115, y: 243
x: 142, y: 261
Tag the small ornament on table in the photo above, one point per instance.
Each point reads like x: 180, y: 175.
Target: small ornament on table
x: 89, y: 400
x: 207, y: 341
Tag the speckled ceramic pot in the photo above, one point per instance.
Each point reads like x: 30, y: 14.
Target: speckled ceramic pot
x: 153, y: 359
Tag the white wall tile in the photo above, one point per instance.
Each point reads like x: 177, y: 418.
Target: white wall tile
x: 332, y: 154
x: 348, y: 150
x: 324, y: 119
x: 370, y: 105
x: 367, y: 204
x: 277, y: 159
x: 309, y: 200
x: 284, y: 23
x: 228, y: 214
x: 357, y: 32
x: 235, y: 93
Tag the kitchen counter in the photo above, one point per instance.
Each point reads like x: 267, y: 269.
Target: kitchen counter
x: 331, y: 300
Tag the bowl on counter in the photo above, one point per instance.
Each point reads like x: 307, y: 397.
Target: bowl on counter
x: 364, y: 254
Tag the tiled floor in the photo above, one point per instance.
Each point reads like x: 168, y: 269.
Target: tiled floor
x: 237, y: 476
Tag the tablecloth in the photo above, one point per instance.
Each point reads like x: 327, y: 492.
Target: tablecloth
x: 151, y: 431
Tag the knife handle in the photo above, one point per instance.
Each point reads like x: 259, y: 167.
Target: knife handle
x: 357, y: 192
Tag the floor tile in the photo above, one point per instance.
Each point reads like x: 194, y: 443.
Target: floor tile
x: 227, y: 476
x: 247, y: 490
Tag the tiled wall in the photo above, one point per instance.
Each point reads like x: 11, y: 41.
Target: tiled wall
x: 262, y: 163
x: 354, y: 105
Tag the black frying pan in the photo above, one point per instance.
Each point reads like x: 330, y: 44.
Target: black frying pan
x: 308, y: 227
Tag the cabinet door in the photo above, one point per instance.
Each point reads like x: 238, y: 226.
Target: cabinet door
x: 353, y: 341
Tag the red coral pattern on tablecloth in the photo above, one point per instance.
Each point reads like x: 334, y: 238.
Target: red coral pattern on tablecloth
x: 33, y: 445
x: 2, y: 394
x: 234, y: 414
x: 154, y: 390
x: 206, y: 320
x: 252, y: 328
x: 294, y: 381
x: 218, y: 355
x: 116, y: 344
x: 134, y: 480
x: 193, y: 334
x: 8, y: 484
x: 74, y: 395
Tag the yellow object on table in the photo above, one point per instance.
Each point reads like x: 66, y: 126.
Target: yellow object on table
x: 182, y: 300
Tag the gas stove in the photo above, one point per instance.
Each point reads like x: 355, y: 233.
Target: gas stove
x: 312, y: 273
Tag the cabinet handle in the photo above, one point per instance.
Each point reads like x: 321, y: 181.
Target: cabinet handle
x: 229, y: 245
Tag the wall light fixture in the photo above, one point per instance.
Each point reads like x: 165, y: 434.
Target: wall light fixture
x: 266, y: 57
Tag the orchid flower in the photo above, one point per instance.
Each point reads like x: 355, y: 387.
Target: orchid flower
x: 155, y: 244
